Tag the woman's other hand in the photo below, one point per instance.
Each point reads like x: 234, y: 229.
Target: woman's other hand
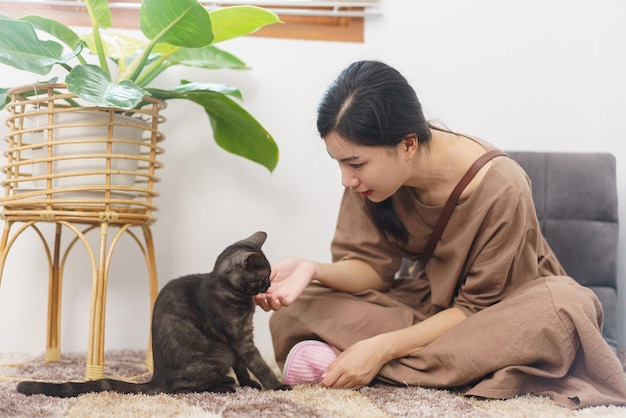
x: 357, y: 366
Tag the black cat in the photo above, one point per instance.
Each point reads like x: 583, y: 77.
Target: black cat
x: 201, y: 328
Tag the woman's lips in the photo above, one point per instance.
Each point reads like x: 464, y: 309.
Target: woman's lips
x: 367, y: 193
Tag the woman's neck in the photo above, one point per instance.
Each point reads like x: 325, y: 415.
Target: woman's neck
x: 438, y: 169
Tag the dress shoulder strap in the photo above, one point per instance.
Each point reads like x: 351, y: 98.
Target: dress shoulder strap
x: 448, y: 208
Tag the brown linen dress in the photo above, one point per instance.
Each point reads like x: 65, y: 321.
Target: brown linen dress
x: 529, y: 327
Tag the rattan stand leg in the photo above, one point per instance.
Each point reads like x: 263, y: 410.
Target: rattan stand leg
x: 100, y: 262
x: 95, y: 359
x: 154, y: 285
x: 53, y: 339
x: 53, y: 351
x: 95, y: 350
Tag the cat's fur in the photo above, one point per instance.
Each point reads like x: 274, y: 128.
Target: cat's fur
x: 201, y: 328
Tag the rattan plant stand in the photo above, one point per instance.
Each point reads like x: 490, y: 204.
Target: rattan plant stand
x: 51, y: 179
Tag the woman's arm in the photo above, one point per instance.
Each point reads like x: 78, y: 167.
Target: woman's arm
x: 291, y: 276
x: 350, y: 276
x: 361, y: 362
x: 406, y: 341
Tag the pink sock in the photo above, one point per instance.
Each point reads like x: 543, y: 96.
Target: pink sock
x: 307, y: 361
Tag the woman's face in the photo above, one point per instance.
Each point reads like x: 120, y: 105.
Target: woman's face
x: 375, y: 172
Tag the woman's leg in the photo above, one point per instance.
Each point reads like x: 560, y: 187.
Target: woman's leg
x: 545, y: 339
x: 337, y: 318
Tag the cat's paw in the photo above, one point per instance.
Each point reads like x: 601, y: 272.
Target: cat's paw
x: 221, y: 389
x: 228, y: 381
x: 283, y: 387
x: 252, y: 384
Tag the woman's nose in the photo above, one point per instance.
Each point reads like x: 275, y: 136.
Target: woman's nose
x: 348, y: 179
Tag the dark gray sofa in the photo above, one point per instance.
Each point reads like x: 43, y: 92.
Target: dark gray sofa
x: 576, y: 201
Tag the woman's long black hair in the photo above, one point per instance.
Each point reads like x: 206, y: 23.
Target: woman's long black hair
x: 372, y: 104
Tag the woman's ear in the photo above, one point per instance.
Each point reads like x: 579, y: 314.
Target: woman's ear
x: 408, y: 145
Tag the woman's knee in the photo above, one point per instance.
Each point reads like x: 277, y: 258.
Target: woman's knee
x: 279, y: 319
x: 569, y: 296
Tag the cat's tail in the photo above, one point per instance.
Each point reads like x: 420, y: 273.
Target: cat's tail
x: 71, y: 389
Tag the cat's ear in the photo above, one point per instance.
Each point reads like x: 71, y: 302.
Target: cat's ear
x: 254, y: 261
x: 257, y: 239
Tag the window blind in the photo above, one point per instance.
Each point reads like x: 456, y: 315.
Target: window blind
x: 345, y: 8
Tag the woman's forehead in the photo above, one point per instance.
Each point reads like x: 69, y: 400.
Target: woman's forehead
x: 341, y: 149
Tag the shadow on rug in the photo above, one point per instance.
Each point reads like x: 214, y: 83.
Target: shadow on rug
x: 303, y: 401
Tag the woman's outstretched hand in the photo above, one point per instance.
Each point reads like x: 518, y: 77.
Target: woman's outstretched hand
x: 289, y: 277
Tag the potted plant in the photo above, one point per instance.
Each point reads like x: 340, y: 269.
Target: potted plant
x: 178, y: 32
x: 114, y: 82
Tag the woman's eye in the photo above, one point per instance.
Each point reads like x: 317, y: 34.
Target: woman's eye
x: 356, y: 166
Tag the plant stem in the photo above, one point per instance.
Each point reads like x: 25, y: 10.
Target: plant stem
x: 98, y: 41
x: 133, y: 71
x: 154, y: 69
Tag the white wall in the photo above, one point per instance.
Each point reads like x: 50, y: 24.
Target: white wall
x: 529, y: 75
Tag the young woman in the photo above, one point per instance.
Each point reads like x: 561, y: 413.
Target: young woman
x: 491, y: 313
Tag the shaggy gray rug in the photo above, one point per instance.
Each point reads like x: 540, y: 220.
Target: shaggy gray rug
x: 303, y: 401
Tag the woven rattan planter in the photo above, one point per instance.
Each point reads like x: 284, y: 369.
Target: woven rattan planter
x: 64, y: 163
x: 76, y: 172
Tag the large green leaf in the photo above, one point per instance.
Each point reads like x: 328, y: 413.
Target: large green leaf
x: 22, y: 49
x: 116, y: 45
x: 166, y: 55
x: 178, y: 22
x: 56, y: 29
x: 231, y: 22
x: 234, y: 129
x: 99, y: 12
x: 193, y: 87
x: 91, y: 83
x: 238, y: 132
x: 209, y: 57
